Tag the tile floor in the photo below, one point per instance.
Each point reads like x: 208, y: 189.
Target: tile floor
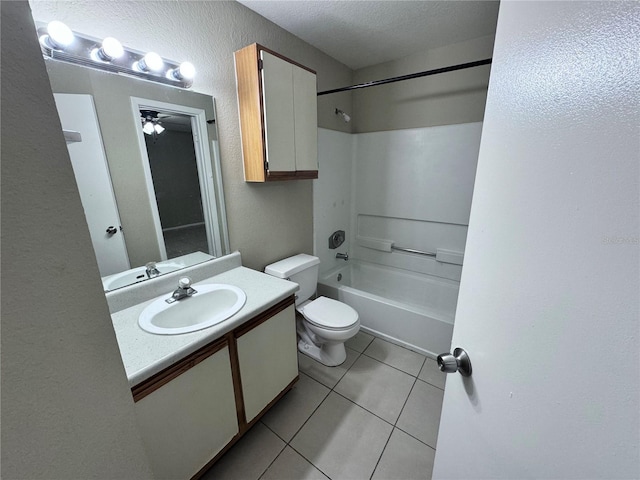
x: 376, y: 416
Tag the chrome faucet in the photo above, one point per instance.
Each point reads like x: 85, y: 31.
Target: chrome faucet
x: 184, y: 290
x: 152, y: 271
x: 343, y: 256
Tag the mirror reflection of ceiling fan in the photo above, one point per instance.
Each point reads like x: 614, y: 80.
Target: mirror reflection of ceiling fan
x: 156, y: 122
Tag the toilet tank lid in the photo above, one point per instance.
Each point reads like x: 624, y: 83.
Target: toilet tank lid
x: 292, y: 265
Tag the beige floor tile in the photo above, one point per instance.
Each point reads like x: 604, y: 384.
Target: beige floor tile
x: 290, y: 465
x: 289, y: 414
x: 359, y: 342
x: 421, y: 415
x: 249, y: 458
x: 396, y: 356
x: 430, y: 373
x: 405, y: 458
x: 342, y: 439
x: 377, y: 387
x: 328, y: 376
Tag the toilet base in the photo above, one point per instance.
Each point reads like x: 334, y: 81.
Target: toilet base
x: 331, y: 355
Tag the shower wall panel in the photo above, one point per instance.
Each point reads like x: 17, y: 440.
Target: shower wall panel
x: 414, y: 188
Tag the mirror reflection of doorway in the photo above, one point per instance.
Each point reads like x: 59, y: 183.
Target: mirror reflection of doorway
x: 174, y: 171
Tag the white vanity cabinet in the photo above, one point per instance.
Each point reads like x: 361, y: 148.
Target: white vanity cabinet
x: 191, y: 418
x: 278, y: 108
x: 192, y: 412
x: 268, y: 360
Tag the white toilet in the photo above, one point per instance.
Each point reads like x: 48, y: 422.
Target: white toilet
x: 327, y: 323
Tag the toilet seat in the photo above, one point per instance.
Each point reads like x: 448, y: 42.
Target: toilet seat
x: 330, y: 314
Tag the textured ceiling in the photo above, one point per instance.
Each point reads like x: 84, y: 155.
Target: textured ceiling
x: 361, y: 33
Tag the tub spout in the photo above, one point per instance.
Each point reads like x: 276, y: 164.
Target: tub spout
x: 343, y: 256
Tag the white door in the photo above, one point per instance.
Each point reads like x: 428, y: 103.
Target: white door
x: 77, y: 113
x: 549, y: 299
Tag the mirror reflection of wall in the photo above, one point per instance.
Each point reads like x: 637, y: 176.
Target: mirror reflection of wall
x: 128, y: 165
x: 174, y: 171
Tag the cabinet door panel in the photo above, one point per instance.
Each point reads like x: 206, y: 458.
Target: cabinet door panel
x: 306, y: 119
x: 268, y: 360
x: 277, y: 85
x: 187, y: 421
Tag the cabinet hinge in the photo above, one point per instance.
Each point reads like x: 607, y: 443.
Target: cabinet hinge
x: 259, y: 64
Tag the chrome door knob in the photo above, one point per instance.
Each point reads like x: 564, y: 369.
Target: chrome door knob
x: 457, y: 362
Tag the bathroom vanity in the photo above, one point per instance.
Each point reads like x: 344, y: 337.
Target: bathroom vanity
x: 197, y: 393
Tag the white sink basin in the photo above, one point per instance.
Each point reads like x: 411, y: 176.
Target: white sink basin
x: 211, y: 305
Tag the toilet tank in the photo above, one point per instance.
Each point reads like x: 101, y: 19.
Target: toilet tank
x: 301, y: 269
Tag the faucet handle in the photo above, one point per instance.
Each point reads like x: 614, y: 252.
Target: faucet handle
x: 150, y: 265
x: 184, y: 283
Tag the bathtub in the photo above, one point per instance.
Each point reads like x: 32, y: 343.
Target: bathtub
x: 406, y: 308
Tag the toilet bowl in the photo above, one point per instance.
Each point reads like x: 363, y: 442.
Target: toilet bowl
x: 324, y: 324
x: 324, y: 327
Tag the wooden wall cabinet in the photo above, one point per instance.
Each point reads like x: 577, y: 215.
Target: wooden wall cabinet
x: 278, y: 109
x: 192, y: 412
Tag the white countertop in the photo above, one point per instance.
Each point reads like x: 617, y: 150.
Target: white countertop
x: 145, y: 354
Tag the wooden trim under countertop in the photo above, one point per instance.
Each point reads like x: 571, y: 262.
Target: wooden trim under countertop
x: 163, y: 377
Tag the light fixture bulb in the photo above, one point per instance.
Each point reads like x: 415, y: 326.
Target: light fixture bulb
x: 111, y: 49
x: 147, y: 127
x: 59, y: 35
x: 158, y: 128
x: 186, y: 71
x: 151, y: 62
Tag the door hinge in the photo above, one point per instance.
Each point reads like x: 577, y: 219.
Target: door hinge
x: 260, y: 64
x: 266, y: 165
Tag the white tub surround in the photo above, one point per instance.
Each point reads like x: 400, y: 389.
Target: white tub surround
x: 145, y: 354
x: 410, y: 309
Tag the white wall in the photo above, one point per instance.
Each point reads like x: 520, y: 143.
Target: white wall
x: 446, y: 99
x: 67, y: 410
x: 549, y: 301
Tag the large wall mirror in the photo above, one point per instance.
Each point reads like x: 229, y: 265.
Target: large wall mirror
x: 147, y: 164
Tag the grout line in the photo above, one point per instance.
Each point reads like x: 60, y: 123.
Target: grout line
x: 274, y: 460
x: 428, y: 383
x: 416, y: 438
x: 395, y: 368
x: 381, y: 454
x: 405, y: 401
x: 310, y: 462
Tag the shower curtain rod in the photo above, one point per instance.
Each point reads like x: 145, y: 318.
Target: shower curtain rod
x: 426, y: 73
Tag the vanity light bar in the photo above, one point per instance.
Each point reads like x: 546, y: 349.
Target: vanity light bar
x: 58, y: 42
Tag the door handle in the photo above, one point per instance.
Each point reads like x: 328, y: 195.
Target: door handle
x: 458, y: 362
x: 111, y: 230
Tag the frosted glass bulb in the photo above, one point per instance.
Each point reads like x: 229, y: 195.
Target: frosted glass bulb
x: 148, y: 128
x: 158, y: 128
x: 60, y: 35
x: 111, y: 48
x: 151, y: 61
x: 187, y: 71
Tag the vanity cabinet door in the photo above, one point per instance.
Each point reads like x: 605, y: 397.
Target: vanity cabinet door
x: 268, y: 360
x: 188, y: 420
